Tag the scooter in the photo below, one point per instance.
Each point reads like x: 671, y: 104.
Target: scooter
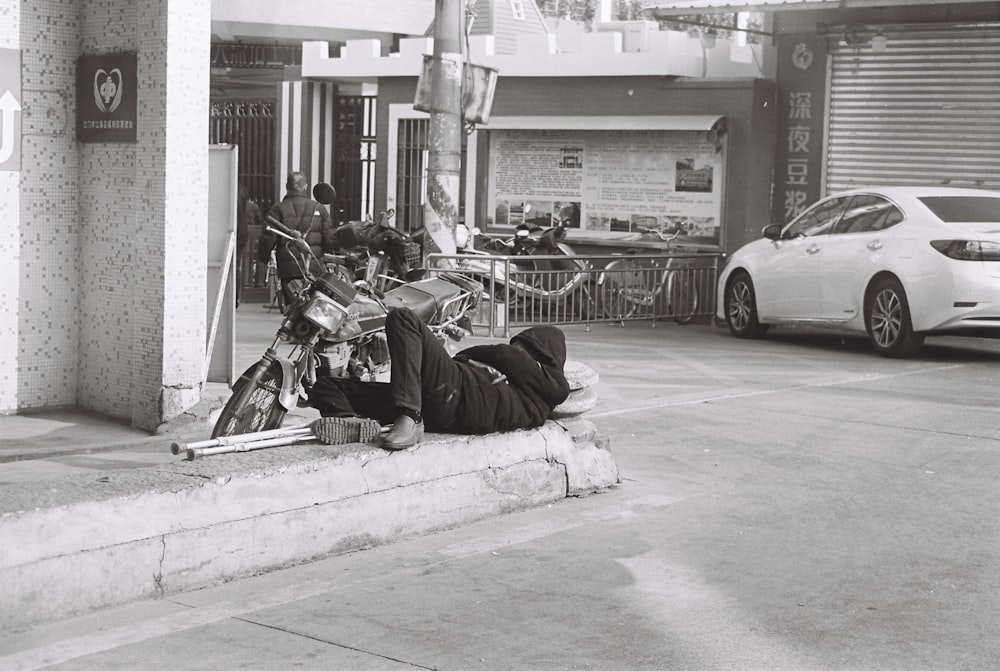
x: 337, y: 329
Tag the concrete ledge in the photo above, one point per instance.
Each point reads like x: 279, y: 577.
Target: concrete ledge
x: 84, y: 542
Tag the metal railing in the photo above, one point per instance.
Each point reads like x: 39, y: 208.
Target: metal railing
x: 557, y: 289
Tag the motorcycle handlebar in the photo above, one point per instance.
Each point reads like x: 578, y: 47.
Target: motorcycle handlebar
x: 276, y: 226
x: 281, y: 228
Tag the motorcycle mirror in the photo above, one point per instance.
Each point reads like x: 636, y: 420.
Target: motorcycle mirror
x: 324, y: 193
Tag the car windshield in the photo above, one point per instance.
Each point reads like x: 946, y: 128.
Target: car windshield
x: 970, y: 209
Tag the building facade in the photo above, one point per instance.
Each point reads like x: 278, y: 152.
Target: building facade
x: 104, y: 241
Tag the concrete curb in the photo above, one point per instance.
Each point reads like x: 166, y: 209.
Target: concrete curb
x: 77, y: 545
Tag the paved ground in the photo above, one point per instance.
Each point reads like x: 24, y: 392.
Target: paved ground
x: 792, y: 503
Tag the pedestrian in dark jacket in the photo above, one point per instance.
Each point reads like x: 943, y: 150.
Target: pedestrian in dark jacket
x: 482, y: 389
x: 304, y: 215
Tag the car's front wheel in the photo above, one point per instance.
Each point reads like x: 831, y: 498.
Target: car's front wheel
x: 741, y: 308
x: 887, y: 318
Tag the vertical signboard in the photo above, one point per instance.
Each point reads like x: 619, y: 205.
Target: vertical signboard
x: 801, y: 113
x: 10, y: 110
x: 106, y: 100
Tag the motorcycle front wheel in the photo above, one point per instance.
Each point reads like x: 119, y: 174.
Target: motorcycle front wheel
x: 254, y: 404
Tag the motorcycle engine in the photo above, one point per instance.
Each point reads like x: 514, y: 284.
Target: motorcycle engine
x: 332, y: 359
x: 360, y: 359
x: 379, y: 348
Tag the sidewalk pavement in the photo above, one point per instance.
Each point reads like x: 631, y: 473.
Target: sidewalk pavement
x: 54, y: 443
x: 103, y: 514
x: 795, y: 503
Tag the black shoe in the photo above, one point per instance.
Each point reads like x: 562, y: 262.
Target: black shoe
x: 340, y: 430
x: 404, y: 433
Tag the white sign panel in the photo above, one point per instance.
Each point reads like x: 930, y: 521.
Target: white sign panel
x: 608, y: 181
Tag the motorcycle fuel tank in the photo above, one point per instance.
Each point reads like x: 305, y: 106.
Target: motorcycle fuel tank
x: 363, y: 315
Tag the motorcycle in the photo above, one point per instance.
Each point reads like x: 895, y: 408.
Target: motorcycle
x: 372, y: 250
x: 337, y: 329
x: 534, y: 266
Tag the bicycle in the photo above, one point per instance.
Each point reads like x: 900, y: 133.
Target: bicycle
x: 632, y: 287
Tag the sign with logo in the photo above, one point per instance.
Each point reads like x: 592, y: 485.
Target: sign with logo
x: 801, y: 111
x: 10, y: 110
x: 106, y: 100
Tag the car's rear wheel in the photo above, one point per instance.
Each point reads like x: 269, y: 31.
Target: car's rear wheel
x: 741, y: 308
x: 887, y: 318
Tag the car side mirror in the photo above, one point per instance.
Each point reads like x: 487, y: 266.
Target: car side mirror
x: 772, y: 231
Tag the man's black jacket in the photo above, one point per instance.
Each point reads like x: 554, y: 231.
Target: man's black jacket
x: 299, y: 213
x: 534, y: 383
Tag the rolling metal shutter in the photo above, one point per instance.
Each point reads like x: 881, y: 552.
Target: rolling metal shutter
x: 925, y: 110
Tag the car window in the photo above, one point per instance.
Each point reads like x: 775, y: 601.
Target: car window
x: 817, y: 220
x: 966, y: 209
x: 866, y: 213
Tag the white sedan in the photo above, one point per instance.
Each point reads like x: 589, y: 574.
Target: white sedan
x: 898, y: 263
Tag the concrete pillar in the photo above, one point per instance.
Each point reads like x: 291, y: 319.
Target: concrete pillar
x: 10, y: 234
x: 143, y: 218
x: 174, y: 41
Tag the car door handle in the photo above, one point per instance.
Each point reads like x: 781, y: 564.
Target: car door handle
x: 812, y: 250
x: 874, y: 245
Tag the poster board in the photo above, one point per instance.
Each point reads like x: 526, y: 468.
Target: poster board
x: 220, y: 346
x: 609, y: 181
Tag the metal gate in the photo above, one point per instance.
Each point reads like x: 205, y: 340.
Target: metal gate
x: 249, y: 124
x: 921, y: 111
x: 411, y: 175
x: 413, y: 137
x: 354, y: 157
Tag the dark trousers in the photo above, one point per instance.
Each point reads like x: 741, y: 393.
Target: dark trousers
x: 423, y: 379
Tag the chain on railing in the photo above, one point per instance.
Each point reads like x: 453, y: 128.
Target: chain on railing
x: 558, y: 289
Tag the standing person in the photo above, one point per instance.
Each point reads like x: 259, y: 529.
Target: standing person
x: 304, y: 215
x: 480, y: 390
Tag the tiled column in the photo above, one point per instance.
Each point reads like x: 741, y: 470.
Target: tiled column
x: 40, y: 317
x: 143, y: 322
x: 172, y: 164
x: 10, y: 227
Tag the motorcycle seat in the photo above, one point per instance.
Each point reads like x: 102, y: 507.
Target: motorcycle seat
x: 425, y: 297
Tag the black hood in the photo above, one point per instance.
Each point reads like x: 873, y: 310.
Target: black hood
x: 546, y: 344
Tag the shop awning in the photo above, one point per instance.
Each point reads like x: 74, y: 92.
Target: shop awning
x: 702, y: 122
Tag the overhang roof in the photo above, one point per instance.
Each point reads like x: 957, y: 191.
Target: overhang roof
x: 292, y: 21
x: 660, y: 8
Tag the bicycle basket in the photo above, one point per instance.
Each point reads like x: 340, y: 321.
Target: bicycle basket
x: 412, y: 255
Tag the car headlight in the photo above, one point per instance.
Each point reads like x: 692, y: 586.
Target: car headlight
x: 968, y: 250
x: 324, y: 312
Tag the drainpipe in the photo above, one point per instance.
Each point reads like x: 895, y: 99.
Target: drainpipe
x: 445, y: 140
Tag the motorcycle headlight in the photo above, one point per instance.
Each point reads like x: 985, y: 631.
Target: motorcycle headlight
x: 324, y: 312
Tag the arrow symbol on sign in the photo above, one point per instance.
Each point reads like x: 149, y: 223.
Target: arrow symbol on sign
x: 8, y: 106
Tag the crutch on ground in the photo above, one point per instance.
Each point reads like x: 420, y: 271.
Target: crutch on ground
x: 327, y: 430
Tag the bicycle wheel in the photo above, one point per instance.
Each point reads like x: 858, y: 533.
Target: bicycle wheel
x: 616, y: 287
x: 254, y: 409
x: 682, y: 292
